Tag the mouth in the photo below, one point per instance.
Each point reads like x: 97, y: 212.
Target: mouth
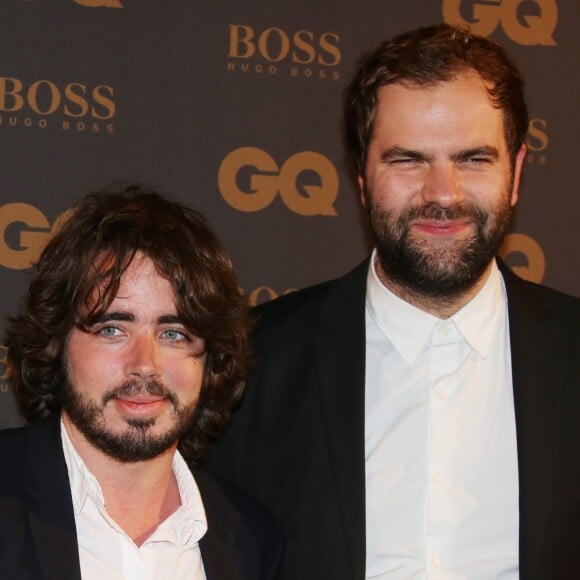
x: 442, y: 228
x: 140, y: 406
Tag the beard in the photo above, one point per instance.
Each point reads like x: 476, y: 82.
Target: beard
x: 444, y: 270
x: 136, y: 442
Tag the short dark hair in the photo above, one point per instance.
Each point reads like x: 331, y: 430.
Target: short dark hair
x: 117, y: 225
x: 426, y: 57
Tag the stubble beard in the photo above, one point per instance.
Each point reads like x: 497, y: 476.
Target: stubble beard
x: 448, y: 270
x: 136, y: 442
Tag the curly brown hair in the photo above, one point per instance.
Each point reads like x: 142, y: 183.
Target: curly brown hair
x: 185, y: 251
x: 425, y: 57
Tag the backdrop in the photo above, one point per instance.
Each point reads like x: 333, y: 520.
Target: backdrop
x: 234, y: 108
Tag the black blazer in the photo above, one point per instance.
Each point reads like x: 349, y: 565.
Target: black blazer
x: 297, y: 441
x: 37, y: 529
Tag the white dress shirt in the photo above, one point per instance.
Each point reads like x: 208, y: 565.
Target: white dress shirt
x: 107, y: 552
x: 440, y: 439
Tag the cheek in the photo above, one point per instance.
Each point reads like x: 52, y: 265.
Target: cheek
x: 488, y: 189
x: 185, y: 378
x: 78, y: 365
x: 94, y: 371
x: 395, y: 191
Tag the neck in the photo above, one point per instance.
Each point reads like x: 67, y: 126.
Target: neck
x: 442, y: 307
x: 138, y: 495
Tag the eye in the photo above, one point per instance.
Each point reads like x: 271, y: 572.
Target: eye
x: 478, y: 157
x: 175, y: 335
x: 109, y: 331
x: 183, y: 341
x: 479, y: 160
x: 404, y: 161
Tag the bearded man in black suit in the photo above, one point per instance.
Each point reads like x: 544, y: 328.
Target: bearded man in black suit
x: 418, y: 417
x: 133, y: 344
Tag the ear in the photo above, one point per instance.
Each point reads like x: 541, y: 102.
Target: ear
x: 361, y: 190
x: 518, y: 166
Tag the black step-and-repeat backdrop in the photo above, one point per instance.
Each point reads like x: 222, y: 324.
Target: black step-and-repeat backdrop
x: 234, y: 108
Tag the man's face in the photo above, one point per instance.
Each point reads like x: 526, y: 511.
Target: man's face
x: 438, y: 184
x: 135, y: 376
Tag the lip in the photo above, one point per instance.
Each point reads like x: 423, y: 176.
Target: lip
x: 442, y: 227
x: 139, y: 406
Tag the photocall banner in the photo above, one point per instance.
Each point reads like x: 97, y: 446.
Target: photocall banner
x: 235, y: 109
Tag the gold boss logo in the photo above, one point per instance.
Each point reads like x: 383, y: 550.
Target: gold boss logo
x: 523, y: 22
x: 76, y: 102
x: 31, y: 231
x: 537, y: 141
x: 306, y: 53
x: 264, y: 180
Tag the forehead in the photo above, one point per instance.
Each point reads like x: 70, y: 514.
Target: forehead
x: 141, y: 285
x: 460, y: 108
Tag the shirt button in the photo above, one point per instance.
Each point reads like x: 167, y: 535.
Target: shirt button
x: 437, y: 562
x: 442, y: 394
x: 438, y: 478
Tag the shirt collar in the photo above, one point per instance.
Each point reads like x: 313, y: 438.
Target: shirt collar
x: 193, y: 521
x: 186, y: 526
x: 409, y: 329
x: 479, y: 320
x: 82, y: 482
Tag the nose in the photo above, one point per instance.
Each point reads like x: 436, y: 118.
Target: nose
x: 441, y: 186
x: 142, y: 357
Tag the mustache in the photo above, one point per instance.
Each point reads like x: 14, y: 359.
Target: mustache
x: 153, y: 387
x: 435, y: 212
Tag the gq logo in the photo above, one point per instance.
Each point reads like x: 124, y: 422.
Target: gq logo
x: 30, y: 239
x: 521, y: 24
x: 516, y: 245
x: 265, y: 180
x: 265, y: 294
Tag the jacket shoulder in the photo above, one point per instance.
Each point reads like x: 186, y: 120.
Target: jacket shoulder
x: 556, y: 305
x: 303, y: 303
x: 560, y: 300
x: 299, y: 310
x: 13, y: 445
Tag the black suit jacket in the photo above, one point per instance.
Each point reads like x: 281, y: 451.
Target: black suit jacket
x: 297, y: 441
x: 37, y: 529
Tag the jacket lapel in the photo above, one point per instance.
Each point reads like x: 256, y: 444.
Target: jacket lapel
x: 537, y: 382
x: 50, y: 515
x: 221, y: 548
x: 340, y: 355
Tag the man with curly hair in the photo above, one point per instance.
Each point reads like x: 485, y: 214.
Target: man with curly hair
x: 128, y: 355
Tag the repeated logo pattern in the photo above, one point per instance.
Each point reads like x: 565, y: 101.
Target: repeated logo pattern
x: 522, y: 24
x: 265, y: 180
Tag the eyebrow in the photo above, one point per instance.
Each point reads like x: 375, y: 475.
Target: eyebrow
x: 127, y: 316
x: 169, y: 319
x: 116, y: 316
x: 475, y: 152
